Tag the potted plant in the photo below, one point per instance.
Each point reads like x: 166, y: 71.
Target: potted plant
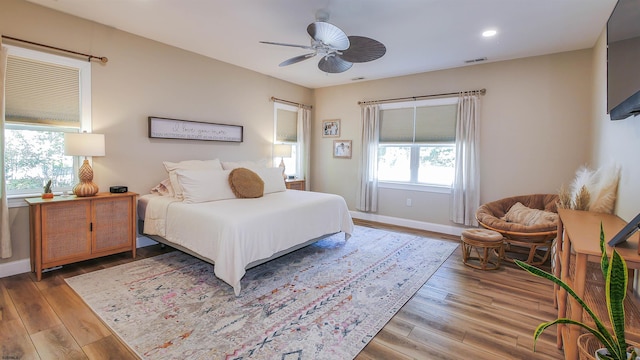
x: 47, y: 194
x: 616, y: 277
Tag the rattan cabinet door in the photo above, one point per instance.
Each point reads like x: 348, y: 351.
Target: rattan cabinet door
x: 112, y: 224
x: 65, y: 232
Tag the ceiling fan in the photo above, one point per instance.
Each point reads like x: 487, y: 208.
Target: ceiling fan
x: 338, y: 50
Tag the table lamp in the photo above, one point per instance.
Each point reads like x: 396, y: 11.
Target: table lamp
x: 282, y: 151
x: 84, y: 144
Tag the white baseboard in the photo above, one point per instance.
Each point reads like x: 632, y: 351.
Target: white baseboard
x: 15, y: 267
x: 414, y: 224
x: 24, y: 265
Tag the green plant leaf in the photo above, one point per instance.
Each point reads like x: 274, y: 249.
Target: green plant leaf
x: 542, y: 327
x: 616, y: 291
x: 604, y: 262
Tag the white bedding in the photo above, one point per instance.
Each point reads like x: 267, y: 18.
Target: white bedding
x: 234, y: 233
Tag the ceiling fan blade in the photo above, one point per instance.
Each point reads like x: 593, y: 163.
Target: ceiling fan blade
x: 297, y: 59
x: 363, y: 49
x: 333, y: 64
x: 290, y: 45
x: 329, y: 34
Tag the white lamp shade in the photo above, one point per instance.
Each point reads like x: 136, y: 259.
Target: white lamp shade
x: 282, y: 150
x: 83, y: 144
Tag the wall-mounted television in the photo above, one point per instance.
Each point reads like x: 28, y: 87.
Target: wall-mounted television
x: 623, y: 60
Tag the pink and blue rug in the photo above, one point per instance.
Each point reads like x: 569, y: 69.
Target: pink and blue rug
x: 324, y: 301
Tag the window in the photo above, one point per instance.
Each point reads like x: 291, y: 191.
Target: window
x: 417, y: 142
x: 45, y: 96
x: 286, y: 132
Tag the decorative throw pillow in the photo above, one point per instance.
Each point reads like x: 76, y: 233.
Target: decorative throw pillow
x: 204, y: 185
x: 246, y: 183
x: 273, y: 179
x: 171, y: 168
x: 163, y: 189
x: 520, y: 214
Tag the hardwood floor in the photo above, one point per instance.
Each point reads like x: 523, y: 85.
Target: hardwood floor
x: 459, y: 313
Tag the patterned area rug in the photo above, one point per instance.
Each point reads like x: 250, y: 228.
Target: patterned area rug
x: 324, y: 301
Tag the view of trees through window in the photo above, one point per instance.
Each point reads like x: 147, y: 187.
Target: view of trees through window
x: 33, y: 157
x: 434, y: 163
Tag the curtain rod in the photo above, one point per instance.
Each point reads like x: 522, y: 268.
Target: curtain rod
x: 481, y: 91
x: 103, y: 59
x: 292, y: 103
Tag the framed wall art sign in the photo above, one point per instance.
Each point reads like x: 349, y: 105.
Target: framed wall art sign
x: 164, y: 128
x: 331, y: 128
x: 342, y: 149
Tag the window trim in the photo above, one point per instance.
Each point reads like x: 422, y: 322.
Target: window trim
x: 413, y: 185
x: 84, y: 68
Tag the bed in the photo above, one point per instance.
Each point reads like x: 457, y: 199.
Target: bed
x: 237, y: 233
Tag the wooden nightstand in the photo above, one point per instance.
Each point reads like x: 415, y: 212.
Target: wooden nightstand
x: 295, y: 184
x: 70, y: 229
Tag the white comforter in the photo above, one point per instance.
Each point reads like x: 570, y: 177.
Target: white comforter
x: 234, y: 233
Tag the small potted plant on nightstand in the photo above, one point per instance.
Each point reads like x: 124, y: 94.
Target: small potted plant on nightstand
x: 47, y: 194
x: 613, y: 343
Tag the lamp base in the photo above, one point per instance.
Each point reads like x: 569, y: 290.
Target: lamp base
x: 282, y: 167
x: 86, y: 186
x: 84, y: 189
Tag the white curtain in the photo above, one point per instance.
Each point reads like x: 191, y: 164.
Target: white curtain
x: 304, y: 134
x: 367, y: 197
x: 466, y: 184
x: 5, y: 233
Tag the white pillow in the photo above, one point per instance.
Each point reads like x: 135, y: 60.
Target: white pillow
x: 204, y: 185
x: 171, y: 167
x: 251, y: 165
x: 273, y: 180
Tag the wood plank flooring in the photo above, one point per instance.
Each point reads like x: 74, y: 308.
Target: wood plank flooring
x: 459, y: 313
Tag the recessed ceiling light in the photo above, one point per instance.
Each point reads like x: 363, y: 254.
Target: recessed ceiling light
x: 489, y: 33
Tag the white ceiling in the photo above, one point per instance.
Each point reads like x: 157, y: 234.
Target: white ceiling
x: 420, y: 35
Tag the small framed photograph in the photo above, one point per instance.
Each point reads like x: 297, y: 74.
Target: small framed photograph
x: 331, y: 128
x: 342, y: 149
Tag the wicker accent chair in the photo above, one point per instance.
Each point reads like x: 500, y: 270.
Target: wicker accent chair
x: 533, y: 241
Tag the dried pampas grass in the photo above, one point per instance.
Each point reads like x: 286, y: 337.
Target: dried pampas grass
x: 564, y: 198
x: 592, y: 190
x: 581, y: 200
x: 604, y: 194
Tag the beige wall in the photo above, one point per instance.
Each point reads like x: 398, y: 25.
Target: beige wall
x: 145, y: 78
x: 615, y: 141
x: 535, y: 129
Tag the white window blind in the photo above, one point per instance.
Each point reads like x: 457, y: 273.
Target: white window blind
x: 42, y: 93
x: 433, y: 124
x: 286, y: 126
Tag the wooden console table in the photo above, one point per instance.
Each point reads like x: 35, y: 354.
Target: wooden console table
x: 580, y: 235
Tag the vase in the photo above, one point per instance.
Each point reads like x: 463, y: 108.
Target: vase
x: 47, y: 195
x: 604, y: 351
x: 589, y: 347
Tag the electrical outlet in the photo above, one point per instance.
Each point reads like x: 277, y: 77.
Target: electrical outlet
x: 408, y: 201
